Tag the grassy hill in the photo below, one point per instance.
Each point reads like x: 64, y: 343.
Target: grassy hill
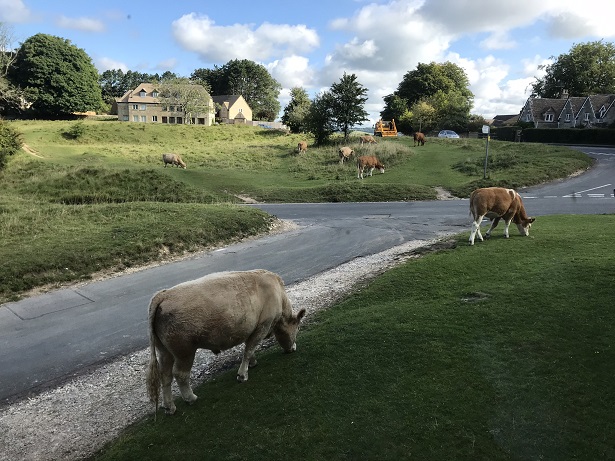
x: 93, y: 195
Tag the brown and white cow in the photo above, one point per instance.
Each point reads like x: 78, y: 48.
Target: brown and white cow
x: 215, y: 312
x: 345, y: 153
x: 173, y: 159
x: 496, y: 203
x: 302, y: 147
x: 370, y: 162
x: 367, y: 139
x: 419, y: 138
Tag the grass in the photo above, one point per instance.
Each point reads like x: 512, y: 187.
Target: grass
x: 94, y: 195
x: 456, y: 355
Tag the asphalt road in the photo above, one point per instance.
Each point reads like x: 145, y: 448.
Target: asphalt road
x: 46, y: 339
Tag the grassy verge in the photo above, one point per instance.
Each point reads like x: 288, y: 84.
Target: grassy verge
x: 70, y: 207
x: 458, y: 355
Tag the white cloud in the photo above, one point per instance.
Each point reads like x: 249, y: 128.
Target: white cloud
x: 213, y: 43
x: 498, y: 41
x: 83, y: 24
x: 14, y: 11
x: 104, y: 63
x: 167, y: 64
x: 292, y: 71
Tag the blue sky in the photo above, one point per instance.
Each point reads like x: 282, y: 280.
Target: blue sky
x: 499, y: 44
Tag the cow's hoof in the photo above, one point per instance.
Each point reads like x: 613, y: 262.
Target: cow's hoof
x: 242, y: 378
x: 170, y: 410
x: 190, y: 400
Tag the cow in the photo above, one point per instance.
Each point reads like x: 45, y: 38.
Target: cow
x: 368, y: 139
x: 496, y: 203
x: 216, y: 312
x: 345, y: 153
x: 302, y: 147
x: 370, y: 162
x: 419, y: 138
x: 173, y: 159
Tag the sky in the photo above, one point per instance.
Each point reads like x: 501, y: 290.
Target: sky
x: 310, y: 44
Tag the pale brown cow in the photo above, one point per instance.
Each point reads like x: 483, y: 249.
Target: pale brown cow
x: 215, y: 312
x: 302, y: 147
x: 173, y: 159
x: 419, y: 138
x: 496, y: 203
x: 370, y: 162
x: 368, y: 139
x: 345, y: 153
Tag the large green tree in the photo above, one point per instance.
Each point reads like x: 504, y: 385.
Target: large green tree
x: 296, y: 110
x: 588, y: 68
x: 248, y: 79
x: 349, y: 98
x: 319, y: 119
x: 58, y: 77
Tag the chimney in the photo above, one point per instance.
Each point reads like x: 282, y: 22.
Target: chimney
x: 564, y: 94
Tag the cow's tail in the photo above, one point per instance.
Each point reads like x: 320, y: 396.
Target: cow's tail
x: 153, y: 372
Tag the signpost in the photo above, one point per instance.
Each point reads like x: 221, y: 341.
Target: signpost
x: 486, y: 131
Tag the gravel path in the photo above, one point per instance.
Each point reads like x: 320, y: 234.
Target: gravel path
x: 77, y: 419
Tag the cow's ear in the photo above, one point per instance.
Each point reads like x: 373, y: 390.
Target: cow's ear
x: 300, y: 315
x: 532, y: 220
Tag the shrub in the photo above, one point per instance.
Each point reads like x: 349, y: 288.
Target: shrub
x: 76, y: 130
x: 10, y: 142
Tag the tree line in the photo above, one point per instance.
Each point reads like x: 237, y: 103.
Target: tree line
x: 49, y: 77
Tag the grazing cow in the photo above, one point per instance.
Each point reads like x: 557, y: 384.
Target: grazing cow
x: 215, y: 312
x: 419, y: 138
x: 368, y: 139
x: 497, y: 203
x: 302, y: 147
x: 345, y: 153
x: 173, y: 159
x: 371, y: 163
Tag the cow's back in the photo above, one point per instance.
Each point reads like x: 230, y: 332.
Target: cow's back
x: 495, y: 200
x: 220, y: 310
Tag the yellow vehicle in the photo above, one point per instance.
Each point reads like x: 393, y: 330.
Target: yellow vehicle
x: 384, y: 128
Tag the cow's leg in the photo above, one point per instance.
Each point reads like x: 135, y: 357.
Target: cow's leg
x: 181, y: 371
x: 494, y: 224
x: 506, y: 228
x: 165, y: 363
x: 371, y: 170
x: 476, y: 230
x: 359, y: 172
x: 249, y: 360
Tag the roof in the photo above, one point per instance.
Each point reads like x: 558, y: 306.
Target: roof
x: 226, y: 98
x: 501, y: 120
x: 133, y: 96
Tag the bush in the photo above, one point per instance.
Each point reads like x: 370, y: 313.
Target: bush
x: 76, y: 130
x: 10, y: 142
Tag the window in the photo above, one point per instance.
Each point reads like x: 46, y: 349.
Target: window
x: 142, y: 107
x: 172, y: 108
x: 164, y: 108
x: 155, y: 94
x: 165, y: 119
x: 142, y: 93
x: 124, y: 118
x: 548, y: 117
x: 587, y: 116
x: 179, y: 120
x: 135, y: 118
x: 171, y: 119
x: 567, y: 117
x: 143, y: 118
x: 154, y: 118
x: 135, y: 107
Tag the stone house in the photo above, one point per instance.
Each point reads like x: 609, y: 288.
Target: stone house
x: 144, y: 105
x: 593, y: 111
x: 232, y: 109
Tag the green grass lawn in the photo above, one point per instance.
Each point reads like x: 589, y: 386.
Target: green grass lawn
x: 72, y: 207
x: 500, y: 351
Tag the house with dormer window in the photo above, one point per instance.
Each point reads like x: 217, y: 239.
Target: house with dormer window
x: 570, y: 112
x: 144, y: 105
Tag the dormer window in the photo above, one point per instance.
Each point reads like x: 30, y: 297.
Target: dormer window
x: 548, y: 117
x: 155, y: 94
x: 142, y: 93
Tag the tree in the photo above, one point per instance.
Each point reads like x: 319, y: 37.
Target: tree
x: 423, y: 115
x: 394, y: 107
x: 296, y: 110
x: 58, y: 77
x: 248, y: 79
x: 589, y: 68
x: 192, y: 98
x: 349, y: 98
x: 319, y: 119
x: 11, y: 97
x: 427, y: 79
x: 452, y: 110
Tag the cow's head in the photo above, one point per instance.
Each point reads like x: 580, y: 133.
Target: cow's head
x: 286, y: 331
x: 380, y: 166
x: 524, y: 226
